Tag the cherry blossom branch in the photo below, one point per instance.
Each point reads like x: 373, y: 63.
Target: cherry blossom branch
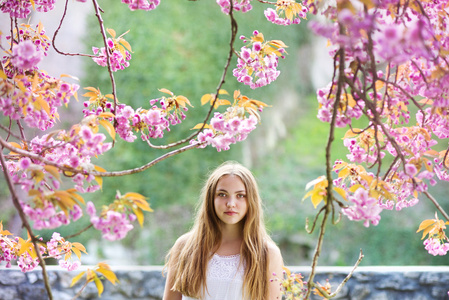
x: 342, y: 284
x: 146, y: 166
x: 328, y: 205
x: 234, y: 29
x: 79, y: 232
x: 26, y: 224
x: 35, y: 156
x: 108, y: 56
x: 57, y: 31
x: 437, y: 205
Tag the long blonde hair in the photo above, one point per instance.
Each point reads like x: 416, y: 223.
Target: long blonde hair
x: 188, y: 262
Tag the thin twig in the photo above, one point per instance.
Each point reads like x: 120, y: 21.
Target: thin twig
x: 108, y: 56
x: 25, y: 223
x: 57, y: 31
x: 79, y: 232
x: 234, y: 28
x: 437, y: 205
x: 328, y: 205
x: 342, y: 284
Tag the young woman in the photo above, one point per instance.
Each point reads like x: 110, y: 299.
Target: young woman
x: 228, y: 254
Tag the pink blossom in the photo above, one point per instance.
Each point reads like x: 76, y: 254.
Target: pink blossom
x: 16, y: 9
x: 238, y: 5
x: 25, y: 163
x: 256, y: 68
x: 365, y: 208
x: 142, y: 4
x: 435, y: 247
x: 25, y: 55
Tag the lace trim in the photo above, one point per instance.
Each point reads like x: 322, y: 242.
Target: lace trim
x: 227, y: 256
x: 225, y: 267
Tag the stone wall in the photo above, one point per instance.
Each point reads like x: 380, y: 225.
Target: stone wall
x: 367, y: 283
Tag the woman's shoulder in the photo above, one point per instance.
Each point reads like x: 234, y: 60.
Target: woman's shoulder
x: 182, y: 240
x: 274, y: 253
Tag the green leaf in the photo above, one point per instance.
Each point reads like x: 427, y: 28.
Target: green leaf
x: 77, y: 278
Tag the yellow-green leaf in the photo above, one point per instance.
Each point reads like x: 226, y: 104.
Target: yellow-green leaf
x: 109, y: 128
x: 139, y: 214
x: 206, y: 98
x: 166, y: 91
x: 106, y: 115
x: 99, y: 285
x: 316, y: 198
x: 126, y: 44
x: 53, y: 171
x: 426, y: 224
x: 99, y: 180
x: 134, y: 195
x: 77, y: 252
x: 341, y: 192
x: 77, y: 278
x: 99, y: 169
x: 355, y: 187
x: 315, y: 181
x: 110, y: 275
x: 182, y: 100
x: 200, y: 125
x: 111, y: 32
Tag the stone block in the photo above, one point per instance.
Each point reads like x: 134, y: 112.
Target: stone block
x: 12, y: 277
x: 32, y: 292
x: 8, y: 293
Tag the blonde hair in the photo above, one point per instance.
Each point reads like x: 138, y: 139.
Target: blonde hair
x: 188, y: 262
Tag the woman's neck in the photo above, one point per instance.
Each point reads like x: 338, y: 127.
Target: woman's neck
x: 231, y: 240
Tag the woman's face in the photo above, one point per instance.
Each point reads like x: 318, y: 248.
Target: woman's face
x: 230, y: 200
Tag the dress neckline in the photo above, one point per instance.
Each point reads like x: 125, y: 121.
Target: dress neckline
x: 227, y: 256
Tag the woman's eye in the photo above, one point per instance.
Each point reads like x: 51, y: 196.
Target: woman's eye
x: 221, y: 194
x: 241, y: 195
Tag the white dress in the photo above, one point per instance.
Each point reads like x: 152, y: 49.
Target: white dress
x: 224, y: 278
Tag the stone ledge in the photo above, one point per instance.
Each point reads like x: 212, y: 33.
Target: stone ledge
x: 147, y: 282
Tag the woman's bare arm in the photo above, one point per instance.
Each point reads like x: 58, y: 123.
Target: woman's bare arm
x: 275, y: 271
x: 169, y: 294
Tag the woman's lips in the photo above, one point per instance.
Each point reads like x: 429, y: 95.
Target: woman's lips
x: 230, y: 213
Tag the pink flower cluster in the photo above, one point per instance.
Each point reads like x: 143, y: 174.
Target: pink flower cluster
x: 274, y: 18
x: 142, y: 4
x: 25, y: 56
x: 435, y: 247
x: 7, y: 253
x: 361, y: 152
x: 37, y: 112
x: 113, y: 225
x: 238, y: 5
x: 226, y: 130
x: 118, y: 60
x: 45, y: 5
x: 346, y: 111
x: 47, y: 217
x: 16, y: 8
x: 364, y: 208
x: 255, y: 66
x: 287, y: 12
x: 57, y: 248
x: 151, y: 123
x: 27, y: 263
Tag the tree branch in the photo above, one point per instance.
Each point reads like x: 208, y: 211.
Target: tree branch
x: 25, y: 222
